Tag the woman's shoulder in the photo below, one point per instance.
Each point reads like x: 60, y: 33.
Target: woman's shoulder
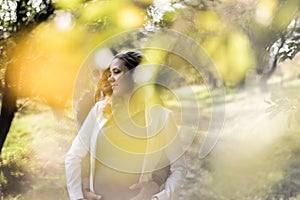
x: 98, y: 107
x: 102, y: 108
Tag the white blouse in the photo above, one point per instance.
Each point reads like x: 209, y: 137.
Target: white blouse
x: 86, y: 140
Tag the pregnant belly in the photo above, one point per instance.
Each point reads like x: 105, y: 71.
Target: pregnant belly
x: 112, y: 184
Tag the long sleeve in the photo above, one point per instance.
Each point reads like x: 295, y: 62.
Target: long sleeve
x: 174, y: 181
x: 76, y: 153
x: 178, y: 168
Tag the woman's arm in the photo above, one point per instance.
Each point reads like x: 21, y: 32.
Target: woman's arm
x: 178, y: 168
x: 174, y: 181
x: 73, y: 169
x: 76, y: 153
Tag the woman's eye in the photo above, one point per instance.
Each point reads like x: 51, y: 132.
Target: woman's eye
x: 116, y: 71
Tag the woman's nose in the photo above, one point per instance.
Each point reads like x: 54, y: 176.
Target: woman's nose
x: 110, y: 79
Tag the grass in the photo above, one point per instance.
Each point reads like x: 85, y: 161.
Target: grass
x: 32, y: 161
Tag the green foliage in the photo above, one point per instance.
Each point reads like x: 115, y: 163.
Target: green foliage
x: 15, y: 178
x: 32, y: 161
x: 18, y: 14
x: 17, y: 165
x: 214, y: 23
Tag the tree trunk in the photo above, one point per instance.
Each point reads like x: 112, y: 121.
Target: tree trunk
x: 274, y: 65
x: 8, y: 110
x: 9, y: 99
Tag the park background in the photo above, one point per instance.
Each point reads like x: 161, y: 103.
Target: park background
x: 254, y: 44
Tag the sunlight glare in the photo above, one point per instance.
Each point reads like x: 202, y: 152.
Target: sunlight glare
x: 264, y: 12
x: 130, y: 17
x: 63, y: 20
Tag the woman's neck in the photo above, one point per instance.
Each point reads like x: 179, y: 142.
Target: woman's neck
x: 133, y: 104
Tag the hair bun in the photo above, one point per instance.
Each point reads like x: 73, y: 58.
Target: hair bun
x: 131, y: 58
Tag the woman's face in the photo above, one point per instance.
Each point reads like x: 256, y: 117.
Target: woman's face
x: 118, y: 70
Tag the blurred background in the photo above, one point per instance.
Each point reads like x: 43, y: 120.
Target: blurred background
x: 254, y: 44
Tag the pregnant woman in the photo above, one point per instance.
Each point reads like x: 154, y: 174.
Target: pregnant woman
x: 127, y: 146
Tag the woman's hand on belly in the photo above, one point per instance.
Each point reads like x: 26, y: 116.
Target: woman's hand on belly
x: 147, y: 190
x: 90, y: 195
